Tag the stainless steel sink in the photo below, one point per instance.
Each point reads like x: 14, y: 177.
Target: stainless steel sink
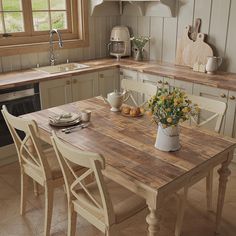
x: 62, y: 68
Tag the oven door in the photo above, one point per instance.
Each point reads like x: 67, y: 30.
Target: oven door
x: 17, y: 107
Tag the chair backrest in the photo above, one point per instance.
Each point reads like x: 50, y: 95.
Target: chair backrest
x: 94, y: 163
x: 218, y: 109
x: 139, y: 87
x: 29, y: 148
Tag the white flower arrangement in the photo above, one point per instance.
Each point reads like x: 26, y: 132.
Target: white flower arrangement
x: 140, y: 41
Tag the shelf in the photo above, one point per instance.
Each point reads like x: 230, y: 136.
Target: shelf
x: 162, y: 8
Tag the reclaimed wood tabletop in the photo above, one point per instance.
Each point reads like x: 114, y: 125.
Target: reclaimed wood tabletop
x: 127, y: 145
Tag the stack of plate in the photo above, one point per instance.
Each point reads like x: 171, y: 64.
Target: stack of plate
x: 65, y: 119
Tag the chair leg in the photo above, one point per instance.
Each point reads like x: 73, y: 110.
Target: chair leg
x: 181, y: 210
x: 36, y: 188
x: 72, y: 216
x: 209, y: 190
x: 48, y: 208
x: 24, y: 188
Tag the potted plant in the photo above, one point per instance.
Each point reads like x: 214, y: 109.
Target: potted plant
x: 169, y: 107
x: 139, y: 43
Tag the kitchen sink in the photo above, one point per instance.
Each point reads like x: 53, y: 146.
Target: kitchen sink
x: 62, y: 68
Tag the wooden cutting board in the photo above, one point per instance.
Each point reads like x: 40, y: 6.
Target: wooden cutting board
x: 182, y: 43
x: 197, y: 51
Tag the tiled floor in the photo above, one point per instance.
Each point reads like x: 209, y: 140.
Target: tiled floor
x: 197, y: 221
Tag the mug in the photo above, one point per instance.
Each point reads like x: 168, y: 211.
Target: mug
x: 85, y: 115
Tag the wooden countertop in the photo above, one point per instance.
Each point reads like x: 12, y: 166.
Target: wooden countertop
x: 220, y: 80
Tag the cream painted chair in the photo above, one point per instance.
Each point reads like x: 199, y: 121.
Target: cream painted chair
x: 217, y: 109
x: 105, y: 204
x: 138, y: 87
x: 35, y: 162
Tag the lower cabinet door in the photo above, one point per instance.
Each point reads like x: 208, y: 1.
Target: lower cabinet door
x: 55, y: 92
x: 85, y: 86
x: 108, y: 81
x: 185, y: 86
x: 230, y: 118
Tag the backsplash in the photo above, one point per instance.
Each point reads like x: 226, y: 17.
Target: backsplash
x: 218, y: 21
x: 99, y: 34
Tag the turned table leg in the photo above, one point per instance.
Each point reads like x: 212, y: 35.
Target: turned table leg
x: 153, y: 220
x: 224, y: 173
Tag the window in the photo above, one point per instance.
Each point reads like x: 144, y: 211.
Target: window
x: 24, y: 24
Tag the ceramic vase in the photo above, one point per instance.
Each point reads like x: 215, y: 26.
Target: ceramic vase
x: 167, y: 138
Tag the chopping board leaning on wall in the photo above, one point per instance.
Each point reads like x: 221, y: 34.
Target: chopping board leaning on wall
x: 197, y: 51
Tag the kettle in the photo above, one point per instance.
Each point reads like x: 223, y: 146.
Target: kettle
x: 213, y: 63
x: 116, y: 99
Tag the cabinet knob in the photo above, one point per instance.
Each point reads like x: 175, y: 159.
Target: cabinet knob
x: 159, y: 82
x: 232, y: 97
x: 74, y: 81
x: 101, y: 76
x: 166, y: 83
x: 67, y: 82
x: 223, y: 95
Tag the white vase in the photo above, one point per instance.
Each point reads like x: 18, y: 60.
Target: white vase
x: 167, y: 139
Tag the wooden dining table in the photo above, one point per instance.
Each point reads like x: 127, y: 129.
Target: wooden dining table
x: 127, y: 145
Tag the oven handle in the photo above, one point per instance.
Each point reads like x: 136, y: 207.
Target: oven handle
x: 16, y: 95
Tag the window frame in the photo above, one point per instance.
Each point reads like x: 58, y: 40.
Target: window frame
x: 32, y: 41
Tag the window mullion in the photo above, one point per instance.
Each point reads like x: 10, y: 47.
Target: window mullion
x: 28, y: 17
x: 2, y: 17
x: 49, y: 14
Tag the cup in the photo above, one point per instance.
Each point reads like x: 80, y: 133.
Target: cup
x: 85, y: 115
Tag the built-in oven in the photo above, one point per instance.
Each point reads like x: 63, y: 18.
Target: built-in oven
x: 19, y: 100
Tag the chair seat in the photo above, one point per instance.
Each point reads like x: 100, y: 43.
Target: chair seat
x: 54, y: 164
x: 125, y: 203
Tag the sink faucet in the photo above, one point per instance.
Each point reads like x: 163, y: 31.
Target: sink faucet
x: 52, y: 56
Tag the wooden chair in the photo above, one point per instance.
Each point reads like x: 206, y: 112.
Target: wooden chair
x: 217, y: 109
x: 105, y: 204
x: 35, y: 162
x: 138, y: 87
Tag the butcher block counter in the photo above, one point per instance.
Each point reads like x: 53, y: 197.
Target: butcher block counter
x: 220, y: 80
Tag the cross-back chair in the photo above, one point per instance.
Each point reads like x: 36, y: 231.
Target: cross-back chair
x: 35, y: 162
x: 105, y: 204
x: 217, y: 110
x: 138, y: 87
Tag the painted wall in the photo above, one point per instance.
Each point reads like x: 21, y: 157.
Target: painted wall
x: 99, y: 33
x: 218, y: 21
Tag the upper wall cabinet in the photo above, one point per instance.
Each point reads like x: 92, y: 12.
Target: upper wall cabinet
x: 161, y: 8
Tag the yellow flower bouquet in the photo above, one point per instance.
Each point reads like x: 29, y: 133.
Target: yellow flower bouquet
x: 170, y: 107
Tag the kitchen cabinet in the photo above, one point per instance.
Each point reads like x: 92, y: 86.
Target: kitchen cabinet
x: 55, y: 92
x: 131, y: 75
x: 108, y: 81
x: 65, y: 90
x: 84, y: 86
x: 184, y: 85
x: 213, y: 93
x: 230, y: 118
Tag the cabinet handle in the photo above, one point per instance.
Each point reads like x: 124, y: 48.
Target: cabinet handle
x: 67, y: 82
x: 101, y: 76
x: 74, y: 81
x: 159, y: 82
x: 223, y: 95
x: 166, y: 83
x: 232, y: 97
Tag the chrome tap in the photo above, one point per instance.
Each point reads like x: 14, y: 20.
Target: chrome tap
x: 52, y: 56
